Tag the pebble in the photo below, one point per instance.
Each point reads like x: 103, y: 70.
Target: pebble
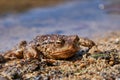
x: 3, y: 78
x: 117, y: 41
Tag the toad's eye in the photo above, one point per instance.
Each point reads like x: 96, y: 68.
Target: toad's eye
x: 60, y: 42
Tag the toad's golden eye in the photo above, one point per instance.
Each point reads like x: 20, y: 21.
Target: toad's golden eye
x: 60, y: 41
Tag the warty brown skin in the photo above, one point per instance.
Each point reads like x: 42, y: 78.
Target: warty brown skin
x: 52, y: 46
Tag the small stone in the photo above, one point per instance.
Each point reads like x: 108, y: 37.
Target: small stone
x: 94, y: 50
x: 111, y: 63
x: 117, y: 41
x: 2, y: 58
x: 82, y: 65
x: 3, y: 78
x: 91, y: 60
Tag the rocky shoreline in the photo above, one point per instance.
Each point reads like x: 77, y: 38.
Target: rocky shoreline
x: 102, y: 63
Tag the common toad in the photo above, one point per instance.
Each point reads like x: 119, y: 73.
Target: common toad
x: 52, y: 46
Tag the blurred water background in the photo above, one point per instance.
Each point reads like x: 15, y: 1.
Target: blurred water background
x: 82, y: 17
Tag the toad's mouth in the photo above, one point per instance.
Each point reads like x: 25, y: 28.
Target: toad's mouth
x: 64, y: 53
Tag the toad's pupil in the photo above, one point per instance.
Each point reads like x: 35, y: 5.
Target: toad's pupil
x: 60, y: 41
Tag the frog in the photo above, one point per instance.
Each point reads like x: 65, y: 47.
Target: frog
x: 52, y: 46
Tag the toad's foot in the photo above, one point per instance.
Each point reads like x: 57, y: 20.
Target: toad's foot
x: 86, y: 42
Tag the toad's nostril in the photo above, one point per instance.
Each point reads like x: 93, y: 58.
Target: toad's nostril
x: 37, y: 44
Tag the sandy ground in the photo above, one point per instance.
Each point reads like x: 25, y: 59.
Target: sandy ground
x: 101, y: 63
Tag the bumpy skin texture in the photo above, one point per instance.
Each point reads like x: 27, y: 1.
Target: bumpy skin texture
x: 57, y: 46
x: 50, y: 46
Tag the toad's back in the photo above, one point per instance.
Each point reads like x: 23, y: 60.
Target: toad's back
x: 57, y: 46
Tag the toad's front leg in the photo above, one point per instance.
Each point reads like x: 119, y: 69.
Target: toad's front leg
x: 86, y: 42
x: 92, y: 47
x: 16, y: 52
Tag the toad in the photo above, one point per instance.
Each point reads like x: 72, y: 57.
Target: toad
x: 51, y: 46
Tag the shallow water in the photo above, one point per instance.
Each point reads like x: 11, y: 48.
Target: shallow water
x: 82, y: 17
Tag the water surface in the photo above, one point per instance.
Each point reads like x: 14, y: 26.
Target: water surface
x: 82, y: 17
